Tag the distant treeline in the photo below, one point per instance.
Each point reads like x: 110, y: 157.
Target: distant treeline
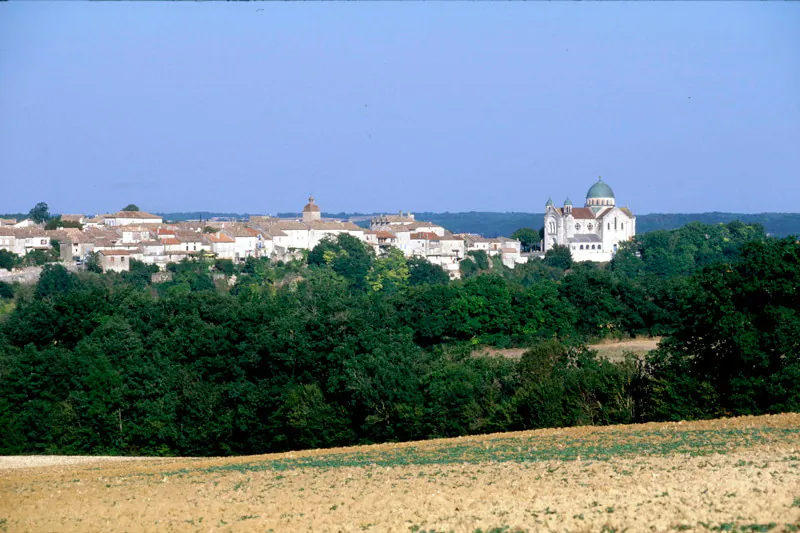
x: 342, y: 347
x: 494, y: 224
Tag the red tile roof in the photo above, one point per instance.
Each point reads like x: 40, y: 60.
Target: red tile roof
x: 425, y: 236
x: 213, y: 237
x: 581, y: 213
x: 115, y: 252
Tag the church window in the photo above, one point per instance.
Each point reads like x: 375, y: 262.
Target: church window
x: 589, y: 226
x: 577, y: 226
x: 593, y: 247
x: 581, y: 247
x: 621, y: 225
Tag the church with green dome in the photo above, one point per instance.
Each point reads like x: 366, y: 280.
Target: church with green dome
x: 592, y: 232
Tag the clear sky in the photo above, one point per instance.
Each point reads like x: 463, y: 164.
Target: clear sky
x: 423, y: 106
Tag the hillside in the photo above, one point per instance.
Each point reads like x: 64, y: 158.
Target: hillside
x: 739, y: 474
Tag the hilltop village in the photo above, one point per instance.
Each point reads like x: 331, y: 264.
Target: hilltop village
x: 591, y: 233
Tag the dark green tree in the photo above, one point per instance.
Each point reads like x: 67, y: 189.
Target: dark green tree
x: 56, y: 222
x: 528, y: 237
x: 737, y: 342
x: 347, y: 256
x: 40, y: 213
x: 468, y: 268
x: 93, y: 262
x: 6, y: 290
x: 481, y: 259
x: 131, y: 207
x: 423, y: 272
x: 225, y: 266
x: 8, y: 260
x: 54, y: 280
x: 558, y: 257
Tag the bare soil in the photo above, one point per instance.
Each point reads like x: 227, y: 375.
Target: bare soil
x: 739, y: 474
x: 612, y: 350
x: 616, y: 350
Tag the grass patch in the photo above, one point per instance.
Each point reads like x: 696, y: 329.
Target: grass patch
x: 599, y: 446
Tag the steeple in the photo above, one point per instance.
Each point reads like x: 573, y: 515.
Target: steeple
x: 311, y: 211
x: 549, y: 202
x: 567, y: 207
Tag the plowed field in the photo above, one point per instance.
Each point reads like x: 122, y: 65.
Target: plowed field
x: 738, y: 474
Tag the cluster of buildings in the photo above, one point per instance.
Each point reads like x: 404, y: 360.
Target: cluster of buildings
x: 592, y: 233
x: 121, y: 237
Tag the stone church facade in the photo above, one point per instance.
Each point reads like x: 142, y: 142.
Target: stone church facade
x: 592, y: 232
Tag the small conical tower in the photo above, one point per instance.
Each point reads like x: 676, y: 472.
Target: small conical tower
x: 311, y: 211
x: 567, y: 207
x: 549, y: 203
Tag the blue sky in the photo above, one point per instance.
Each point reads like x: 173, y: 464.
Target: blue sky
x: 425, y: 106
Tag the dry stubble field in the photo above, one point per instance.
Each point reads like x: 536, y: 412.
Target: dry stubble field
x: 738, y: 474
x: 610, y: 349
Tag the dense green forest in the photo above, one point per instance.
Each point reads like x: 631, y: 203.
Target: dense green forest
x: 344, y: 348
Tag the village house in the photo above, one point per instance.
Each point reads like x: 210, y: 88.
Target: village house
x: 134, y: 233
x: 75, y: 219
x: 22, y: 241
x: 245, y: 241
x: 95, y: 222
x: 222, y: 245
x: 26, y: 223
x: 191, y: 241
x: 126, y: 218
x: 114, y: 260
x: 385, y: 222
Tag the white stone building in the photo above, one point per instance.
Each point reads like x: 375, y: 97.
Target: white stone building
x: 116, y: 260
x: 125, y: 218
x: 592, y: 232
x: 22, y: 241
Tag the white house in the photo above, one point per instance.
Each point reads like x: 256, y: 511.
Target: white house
x: 245, y: 242
x: 21, y: 241
x: 222, y: 245
x: 125, y: 218
x: 116, y: 260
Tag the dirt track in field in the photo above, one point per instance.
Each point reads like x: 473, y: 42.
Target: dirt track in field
x: 726, y: 475
x: 612, y: 350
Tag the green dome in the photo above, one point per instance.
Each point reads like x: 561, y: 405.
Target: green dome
x: 600, y: 190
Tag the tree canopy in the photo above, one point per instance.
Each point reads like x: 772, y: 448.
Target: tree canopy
x: 528, y: 238
x: 40, y: 213
x: 344, y: 347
